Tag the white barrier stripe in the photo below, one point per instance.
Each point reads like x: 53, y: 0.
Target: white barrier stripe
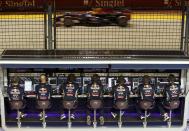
x: 51, y: 62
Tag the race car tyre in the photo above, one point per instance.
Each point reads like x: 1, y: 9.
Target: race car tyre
x: 68, y: 21
x: 122, y: 21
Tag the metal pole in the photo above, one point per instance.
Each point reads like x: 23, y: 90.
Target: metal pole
x: 187, y: 32
x: 183, y: 80
x: 145, y: 119
x: 182, y: 8
x: 2, y: 80
x: 186, y: 103
x: 120, y: 119
x: 45, y: 30
x: 2, y: 111
x: 44, y: 121
x: 19, y: 117
x: 54, y: 23
x: 94, y: 122
x: 170, y: 115
x: 50, y: 26
x: 119, y: 115
x: 69, y: 118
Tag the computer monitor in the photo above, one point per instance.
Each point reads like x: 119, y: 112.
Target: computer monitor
x: 111, y: 82
x: 86, y: 81
x: 52, y: 80
x: 28, y: 86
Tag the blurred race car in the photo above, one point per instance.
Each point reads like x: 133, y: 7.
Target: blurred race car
x: 99, y: 16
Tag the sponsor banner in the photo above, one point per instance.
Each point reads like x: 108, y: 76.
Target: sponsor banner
x: 69, y: 4
x: 38, y: 5
x: 22, y: 5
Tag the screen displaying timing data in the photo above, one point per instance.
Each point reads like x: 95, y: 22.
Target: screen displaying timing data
x: 52, y: 81
x: 28, y: 86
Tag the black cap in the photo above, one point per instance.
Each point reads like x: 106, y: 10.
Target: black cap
x: 171, y: 78
x: 71, y: 78
x: 15, y: 79
x: 146, y: 79
x: 121, y: 80
x: 95, y: 78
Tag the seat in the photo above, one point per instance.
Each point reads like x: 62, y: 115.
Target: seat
x: 16, y: 105
x: 146, y: 105
x: 121, y: 105
x: 95, y: 104
x: 172, y: 105
x: 69, y: 104
x: 43, y: 104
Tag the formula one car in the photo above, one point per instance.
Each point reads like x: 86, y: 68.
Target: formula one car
x: 99, y: 16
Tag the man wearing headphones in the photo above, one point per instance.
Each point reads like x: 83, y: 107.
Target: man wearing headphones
x: 170, y: 97
x: 43, y: 91
x: 120, y: 93
x: 95, y: 92
x: 146, y: 93
x: 16, y: 94
x: 69, y: 91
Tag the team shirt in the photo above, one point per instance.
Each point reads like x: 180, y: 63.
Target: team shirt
x: 146, y: 92
x: 70, y: 91
x: 172, y: 92
x: 15, y: 92
x: 43, y: 91
x: 95, y: 91
x: 121, y: 92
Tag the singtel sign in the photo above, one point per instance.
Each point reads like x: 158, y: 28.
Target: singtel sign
x: 13, y: 3
x: 104, y: 3
x: 38, y: 5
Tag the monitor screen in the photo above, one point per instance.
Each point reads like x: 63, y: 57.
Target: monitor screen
x: 86, y: 80
x: 53, y: 81
x: 28, y: 86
